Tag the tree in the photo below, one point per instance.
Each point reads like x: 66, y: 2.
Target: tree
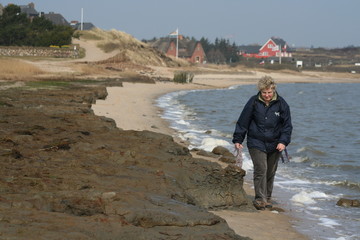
x: 216, y: 56
x: 61, y: 35
x: 205, y: 44
x: 17, y: 30
x: 13, y: 26
x: 221, y: 51
x: 40, y: 31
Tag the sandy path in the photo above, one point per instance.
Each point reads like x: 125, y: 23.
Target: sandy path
x: 92, y: 54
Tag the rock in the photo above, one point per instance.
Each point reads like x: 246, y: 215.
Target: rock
x: 108, y: 195
x: 228, y: 159
x: 66, y: 172
x: 226, y: 155
x: 206, y: 154
x: 219, y: 150
x: 343, y: 202
x: 214, y: 187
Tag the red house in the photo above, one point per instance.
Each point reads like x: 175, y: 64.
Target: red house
x: 274, y: 47
x: 188, y: 49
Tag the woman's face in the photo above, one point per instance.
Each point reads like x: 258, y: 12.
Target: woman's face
x: 267, y: 94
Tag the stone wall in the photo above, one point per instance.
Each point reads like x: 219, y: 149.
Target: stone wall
x: 71, y: 52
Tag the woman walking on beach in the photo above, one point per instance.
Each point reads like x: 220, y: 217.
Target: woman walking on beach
x: 266, y: 121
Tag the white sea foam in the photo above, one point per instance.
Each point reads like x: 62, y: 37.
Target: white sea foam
x: 234, y: 87
x: 308, y: 198
x: 182, y: 122
x: 317, y: 194
x: 302, y: 198
x: 299, y: 159
x: 291, y: 184
x: 327, y: 222
x: 176, y: 112
x: 315, y: 208
x: 208, y: 144
x: 301, y: 150
x: 191, y: 136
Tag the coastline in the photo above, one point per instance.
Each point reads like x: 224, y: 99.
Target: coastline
x: 133, y: 107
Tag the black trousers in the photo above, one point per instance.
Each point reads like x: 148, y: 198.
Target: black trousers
x: 265, y: 166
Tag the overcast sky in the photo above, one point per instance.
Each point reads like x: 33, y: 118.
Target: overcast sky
x: 301, y: 23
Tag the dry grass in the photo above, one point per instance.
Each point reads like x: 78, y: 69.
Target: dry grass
x: 15, y: 69
x: 90, y: 69
x: 113, y: 39
x: 88, y: 35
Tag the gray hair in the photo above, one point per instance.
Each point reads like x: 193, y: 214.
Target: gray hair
x: 265, y: 83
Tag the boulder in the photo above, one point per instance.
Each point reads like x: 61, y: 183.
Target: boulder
x: 343, y: 202
x: 227, y: 159
x: 226, y: 155
x: 206, y: 154
x: 220, y: 150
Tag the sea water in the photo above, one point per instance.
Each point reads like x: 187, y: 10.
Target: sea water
x: 324, y: 153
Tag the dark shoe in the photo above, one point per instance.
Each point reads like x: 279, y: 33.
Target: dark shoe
x: 270, y: 202
x: 259, y: 205
x: 268, y: 205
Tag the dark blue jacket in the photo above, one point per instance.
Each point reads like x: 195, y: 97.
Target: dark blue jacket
x: 265, y: 126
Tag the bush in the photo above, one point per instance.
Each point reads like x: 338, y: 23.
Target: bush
x: 183, y: 77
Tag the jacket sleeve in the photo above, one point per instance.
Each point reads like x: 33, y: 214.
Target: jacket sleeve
x: 286, y: 130
x: 242, y: 124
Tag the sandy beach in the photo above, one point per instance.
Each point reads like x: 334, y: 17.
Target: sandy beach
x: 133, y: 108
x: 133, y: 105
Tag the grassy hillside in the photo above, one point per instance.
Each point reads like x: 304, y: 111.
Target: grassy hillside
x: 130, y: 49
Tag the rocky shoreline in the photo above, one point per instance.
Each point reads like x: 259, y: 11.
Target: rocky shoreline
x: 69, y: 174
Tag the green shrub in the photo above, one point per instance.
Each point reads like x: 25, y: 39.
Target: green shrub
x: 109, y: 47
x: 183, y: 77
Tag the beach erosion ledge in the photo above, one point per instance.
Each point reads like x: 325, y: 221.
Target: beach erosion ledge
x: 64, y: 166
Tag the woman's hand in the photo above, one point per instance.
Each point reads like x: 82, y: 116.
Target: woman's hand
x: 238, y: 146
x: 280, y: 147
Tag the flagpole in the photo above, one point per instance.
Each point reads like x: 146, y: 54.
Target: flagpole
x: 280, y: 55
x: 177, y: 42
x: 82, y: 19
